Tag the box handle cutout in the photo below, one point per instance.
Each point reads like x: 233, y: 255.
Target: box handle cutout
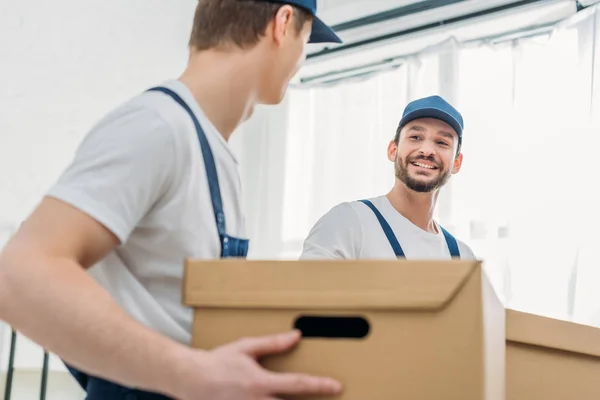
x: 332, y: 327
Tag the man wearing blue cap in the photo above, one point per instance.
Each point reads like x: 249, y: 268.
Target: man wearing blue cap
x: 153, y: 183
x: 426, y: 152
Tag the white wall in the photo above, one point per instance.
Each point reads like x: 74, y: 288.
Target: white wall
x: 63, y: 64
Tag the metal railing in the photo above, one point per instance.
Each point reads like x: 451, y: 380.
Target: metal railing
x: 11, y: 370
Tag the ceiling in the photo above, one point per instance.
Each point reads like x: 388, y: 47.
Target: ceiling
x: 375, y: 30
x: 339, y: 11
x: 359, y: 20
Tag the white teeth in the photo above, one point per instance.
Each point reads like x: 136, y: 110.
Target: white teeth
x: 424, y: 165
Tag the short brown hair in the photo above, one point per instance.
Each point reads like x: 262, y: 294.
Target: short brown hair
x: 238, y: 22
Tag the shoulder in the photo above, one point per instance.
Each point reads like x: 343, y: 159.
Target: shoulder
x: 337, y: 234
x: 149, y: 127
x: 352, y: 214
x: 135, y: 121
x: 364, y: 210
x: 345, y: 209
x: 466, y: 253
x: 343, y: 216
x: 151, y: 109
x: 123, y: 167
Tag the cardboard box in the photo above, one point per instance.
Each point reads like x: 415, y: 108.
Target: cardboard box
x: 412, y: 329
x: 551, y: 359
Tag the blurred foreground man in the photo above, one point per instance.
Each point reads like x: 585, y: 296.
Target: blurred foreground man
x: 426, y: 152
x: 153, y: 183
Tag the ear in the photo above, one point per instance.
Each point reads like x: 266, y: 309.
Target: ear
x: 457, y: 163
x: 282, y: 24
x: 392, y: 151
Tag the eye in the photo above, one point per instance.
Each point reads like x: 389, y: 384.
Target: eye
x: 415, y: 137
x: 442, y: 143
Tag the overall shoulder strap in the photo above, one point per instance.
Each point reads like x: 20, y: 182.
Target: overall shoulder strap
x: 209, y: 161
x: 452, y: 243
x: 386, y: 229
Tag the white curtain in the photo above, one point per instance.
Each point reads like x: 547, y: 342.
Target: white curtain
x: 526, y: 198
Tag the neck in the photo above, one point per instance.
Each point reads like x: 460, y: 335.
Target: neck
x: 418, y: 208
x: 224, y: 85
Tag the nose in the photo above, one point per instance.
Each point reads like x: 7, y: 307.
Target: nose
x: 427, y: 148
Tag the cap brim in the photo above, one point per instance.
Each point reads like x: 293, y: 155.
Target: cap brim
x: 433, y: 113
x: 321, y: 33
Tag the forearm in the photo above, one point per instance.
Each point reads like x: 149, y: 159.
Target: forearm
x: 59, y: 306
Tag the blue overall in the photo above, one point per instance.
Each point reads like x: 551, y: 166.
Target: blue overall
x: 100, y: 389
x: 450, y: 241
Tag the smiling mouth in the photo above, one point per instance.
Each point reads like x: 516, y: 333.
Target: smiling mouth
x: 422, y: 165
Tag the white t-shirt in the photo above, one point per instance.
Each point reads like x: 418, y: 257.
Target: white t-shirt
x: 352, y: 231
x: 140, y: 172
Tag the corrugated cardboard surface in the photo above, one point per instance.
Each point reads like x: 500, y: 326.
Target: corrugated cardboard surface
x: 436, y: 329
x: 551, y: 359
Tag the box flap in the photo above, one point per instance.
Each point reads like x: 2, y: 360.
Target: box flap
x: 547, y: 332
x: 355, y: 284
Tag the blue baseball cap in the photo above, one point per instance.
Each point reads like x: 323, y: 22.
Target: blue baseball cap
x: 321, y: 32
x: 433, y: 107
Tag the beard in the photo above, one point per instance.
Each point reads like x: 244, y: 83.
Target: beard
x: 416, y: 184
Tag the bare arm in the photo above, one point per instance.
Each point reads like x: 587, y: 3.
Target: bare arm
x: 47, y: 295
x: 337, y: 235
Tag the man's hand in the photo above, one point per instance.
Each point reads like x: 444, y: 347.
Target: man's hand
x: 232, y: 372
x: 46, y: 294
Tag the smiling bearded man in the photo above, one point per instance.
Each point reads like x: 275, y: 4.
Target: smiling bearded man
x: 426, y: 152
